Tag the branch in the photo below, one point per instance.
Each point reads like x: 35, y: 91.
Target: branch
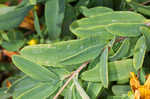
x: 70, y: 78
x: 146, y: 2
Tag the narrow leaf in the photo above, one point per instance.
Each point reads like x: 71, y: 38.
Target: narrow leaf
x: 76, y: 51
x: 125, y: 29
x: 122, y: 51
x: 22, y: 85
x: 45, y: 89
x: 119, y: 90
x: 80, y: 90
x: 13, y: 18
x: 139, y: 53
x: 146, y: 33
x: 94, y: 89
x: 37, y: 24
x: 54, y: 14
x: 103, y: 68
x: 34, y: 70
x: 95, y: 11
x: 117, y: 70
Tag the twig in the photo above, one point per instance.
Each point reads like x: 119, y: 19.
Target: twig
x: 146, y: 2
x: 70, y: 78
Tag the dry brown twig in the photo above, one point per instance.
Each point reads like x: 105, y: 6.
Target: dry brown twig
x: 70, y: 78
x: 146, y: 2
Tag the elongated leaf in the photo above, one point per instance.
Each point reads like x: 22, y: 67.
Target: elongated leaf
x: 34, y: 70
x: 119, y: 90
x: 122, y: 51
x: 13, y: 18
x: 22, y: 85
x: 37, y: 24
x: 45, y: 89
x: 69, y: 93
x: 95, y: 11
x: 67, y: 52
x: 5, y: 9
x: 117, y: 70
x: 3, y: 94
x: 96, y: 24
x: 80, y: 90
x: 94, y: 89
x: 146, y: 33
x: 140, y: 8
x: 75, y: 94
x: 54, y: 14
x: 139, y: 53
x: 119, y: 97
x: 125, y: 29
x: 103, y: 68
x: 15, y: 42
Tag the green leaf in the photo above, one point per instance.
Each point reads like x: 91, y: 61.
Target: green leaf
x: 139, y: 53
x: 34, y: 70
x: 54, y: 15
x: 103, y: 24
x: 146, y: 33
x: 5, y: 9
x: 76, y: 51
x: 15, y: 42
x: 69, y: 92
x: 140, y: 8
x: 22, y: 85
x: 41, y: 91
x: 13, y: 18
x: 94, y: 89
x: 119, y: 90
x: 75, y: 94
x: 125, y: 29
x: 94, y: 11
x: 80, y: 90
x: 61, y: 72
x: 4, y: 94
x: 103, y: 68
x: 117, y: 70
x: 122, y: 51
x: 118, y: 97
x: 37, y: 24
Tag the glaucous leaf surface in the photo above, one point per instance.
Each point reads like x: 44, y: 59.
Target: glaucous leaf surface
x: 95, y: 11
x: 105, y: 24
x: 13, y: 18
x: 103, y: 68
x: 66, y: 52
x: 54, y: 15
x: 139, y: 53
x: 117, y: 70
x: 34, y: 70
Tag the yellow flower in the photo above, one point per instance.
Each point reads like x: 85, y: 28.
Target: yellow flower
x: 32, y: 42
x: 140, y: 91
